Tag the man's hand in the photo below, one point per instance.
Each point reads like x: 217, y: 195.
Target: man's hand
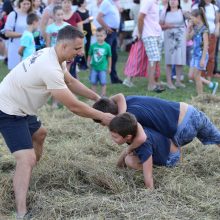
x: 107, y: 118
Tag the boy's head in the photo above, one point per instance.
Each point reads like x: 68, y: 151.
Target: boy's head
x: 100, y: 34
x: 58, y: 13
x: 33, y: 20
x: 106, y: 105
x: 123, y: 128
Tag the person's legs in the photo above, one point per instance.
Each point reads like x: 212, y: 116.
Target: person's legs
x: 111, y: 39
x: 25, y: 161
x: 168, y: 76
x: 103, y: 80
x: 93, y: 79
x: 38, y: 140
x: 133, y: 162
x: 179, y: 72
x: 211, y: 52
x: 198, y: 81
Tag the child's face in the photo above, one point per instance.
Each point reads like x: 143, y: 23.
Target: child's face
x: 58, y: 16
x: 100, y: 36
x: 194, y: 19
x: 35, y: 25
x: 117, y: 138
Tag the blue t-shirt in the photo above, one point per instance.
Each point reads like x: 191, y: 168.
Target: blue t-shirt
x: 158, y: 114
x: 156, y: 145
x: 53, y: 30
x: 27, y: 41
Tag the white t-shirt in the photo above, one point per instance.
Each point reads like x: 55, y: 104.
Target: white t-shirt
x: 186, y: 6
x: 26, y: 88
x: 210, y: 11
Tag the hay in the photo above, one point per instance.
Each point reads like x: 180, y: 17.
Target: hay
x: 77, y: 177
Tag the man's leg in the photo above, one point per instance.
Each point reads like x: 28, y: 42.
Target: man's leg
x: 25, y: 161
x: 38, y: 139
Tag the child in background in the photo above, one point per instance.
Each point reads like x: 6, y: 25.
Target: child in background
x: 155, y: 148
x: 99, y: 61
x: 27, y: 44
x: 200, y: 49
x: 52, y: 29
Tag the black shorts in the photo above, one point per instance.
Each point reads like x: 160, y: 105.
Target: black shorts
x: 18, y: 130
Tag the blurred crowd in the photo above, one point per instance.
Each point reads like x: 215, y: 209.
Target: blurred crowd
x: 161, y: 25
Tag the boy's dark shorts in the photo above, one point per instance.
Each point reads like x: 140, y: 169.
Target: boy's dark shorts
x: 18, y: 130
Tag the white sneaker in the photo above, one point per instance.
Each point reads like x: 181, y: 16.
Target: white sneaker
x: 128, y: 83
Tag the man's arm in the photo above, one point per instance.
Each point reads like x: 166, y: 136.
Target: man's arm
x: 148, y: 173
x: 67, y: 98
x: 140, y: 24
x: 102, y: 23
x: 21, y: 50
x: 78, y: 88
x: 44, y: 21
x: 119, y: 99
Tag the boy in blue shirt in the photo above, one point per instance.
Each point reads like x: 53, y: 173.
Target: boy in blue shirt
x: 99, y: 60
x: 154, y: 148
x: 27, y: 44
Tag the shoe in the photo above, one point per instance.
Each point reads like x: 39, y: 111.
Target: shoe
x: 128, y: 83
x: 157, y: 89
x: 118, y: 81
x: 214, y: 88
x: 180, y: 85
x: 171, y: 86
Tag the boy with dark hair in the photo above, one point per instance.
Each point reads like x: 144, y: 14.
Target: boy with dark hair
x: 154, y: 148
x: 176, y: 120
x: 27, y: 42
x: 99, y: 60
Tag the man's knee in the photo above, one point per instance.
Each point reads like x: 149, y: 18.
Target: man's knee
x: 26, y: 157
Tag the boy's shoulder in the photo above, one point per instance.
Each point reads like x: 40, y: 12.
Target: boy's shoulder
x: 27, y: 34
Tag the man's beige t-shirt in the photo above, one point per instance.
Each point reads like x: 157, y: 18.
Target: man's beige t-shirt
x: 26, y: 88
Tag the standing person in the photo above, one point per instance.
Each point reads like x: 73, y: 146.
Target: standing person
x: 200, y: 50
x: 173, y: 24
x: 149, y: 31
x: 109, y: 18
x: 47, y: 16
x: 100, y: 52
x: 212, y: 16
x: 86, y: 20
x: 14, y: 28
x: 25, y: 89
x: 27, y: 47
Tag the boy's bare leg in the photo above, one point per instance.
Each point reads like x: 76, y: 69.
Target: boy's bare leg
x: 103, y: 92
x: 133, y: 162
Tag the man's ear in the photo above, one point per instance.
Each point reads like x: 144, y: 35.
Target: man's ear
x: 128, y: 138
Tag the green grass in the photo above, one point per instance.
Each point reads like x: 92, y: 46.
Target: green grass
x: 140, y: 88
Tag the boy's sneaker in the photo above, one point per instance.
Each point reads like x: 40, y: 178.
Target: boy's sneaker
x: 214, y: 88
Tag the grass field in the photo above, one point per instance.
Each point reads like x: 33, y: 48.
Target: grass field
x: 77, y: 177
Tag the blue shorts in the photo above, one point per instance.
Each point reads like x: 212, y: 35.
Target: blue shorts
x: 173, y: 159
x: 196, y: 124
x: 195, y: 62
x: 98, y: 76
x: 18, y: 130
